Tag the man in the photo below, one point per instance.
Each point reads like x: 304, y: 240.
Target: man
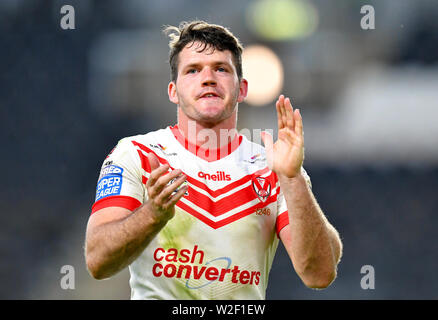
x: 196, y: 210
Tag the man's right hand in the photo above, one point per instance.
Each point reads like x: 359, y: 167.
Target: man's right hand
x: 161, y: 197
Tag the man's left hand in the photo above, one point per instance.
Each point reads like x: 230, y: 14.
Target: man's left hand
x: 285, y: 157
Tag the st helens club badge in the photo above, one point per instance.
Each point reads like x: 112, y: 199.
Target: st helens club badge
x: 262, y: 188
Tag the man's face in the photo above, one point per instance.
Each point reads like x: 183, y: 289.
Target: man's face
x: 207, y: 88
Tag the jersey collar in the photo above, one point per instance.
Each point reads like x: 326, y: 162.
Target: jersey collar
x: 206, y: 153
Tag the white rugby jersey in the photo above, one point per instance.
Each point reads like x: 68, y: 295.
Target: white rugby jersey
x: 222, y: 240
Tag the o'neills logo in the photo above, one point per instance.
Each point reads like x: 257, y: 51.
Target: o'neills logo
x: 219, y: 176
x: 189, y: 264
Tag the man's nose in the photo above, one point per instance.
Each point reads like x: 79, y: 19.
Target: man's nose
x: 208, y: 78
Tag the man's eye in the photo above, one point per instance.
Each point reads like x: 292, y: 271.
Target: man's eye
x: 191, y: 71
x: 221, y: 69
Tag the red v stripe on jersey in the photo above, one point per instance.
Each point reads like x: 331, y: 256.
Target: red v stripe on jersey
x: 223, y: 222
x: 225, y: 204
x: 231, y: 186
x: 144, y: 160
x: 222, y: 206
x: 214, y: 193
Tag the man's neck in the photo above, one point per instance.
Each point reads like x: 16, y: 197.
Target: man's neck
x: 206, y: 135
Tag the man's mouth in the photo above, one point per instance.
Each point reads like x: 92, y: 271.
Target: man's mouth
x: 209, y: 95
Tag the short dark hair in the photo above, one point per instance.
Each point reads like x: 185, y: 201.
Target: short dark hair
x: 210, y: 35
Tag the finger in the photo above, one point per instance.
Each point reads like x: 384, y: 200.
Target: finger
x: 268, y: 141
x: 156, y: 173
x: 283, y: 111
x: 153, y: 161
x: 279, y: 116
x: 162, y: 182
x: 167, y: 192
x: 298, y: 123
x: 289, y: 114
x: 176, y: 197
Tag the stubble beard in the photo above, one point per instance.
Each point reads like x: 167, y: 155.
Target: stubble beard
x: 208, y: 121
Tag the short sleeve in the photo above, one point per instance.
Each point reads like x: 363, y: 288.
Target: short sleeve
x: 282, y: 214
x: 120, y: 179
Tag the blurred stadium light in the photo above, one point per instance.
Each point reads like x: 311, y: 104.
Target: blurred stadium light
x: 264, y: 72
x: 282, y: 19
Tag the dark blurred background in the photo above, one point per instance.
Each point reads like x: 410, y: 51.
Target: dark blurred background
x: 369, y: 101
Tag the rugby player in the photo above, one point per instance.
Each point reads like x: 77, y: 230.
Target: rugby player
x: 196, y: 210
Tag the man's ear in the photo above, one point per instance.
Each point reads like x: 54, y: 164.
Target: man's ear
x: 243, y: 90
x: 171, y: 91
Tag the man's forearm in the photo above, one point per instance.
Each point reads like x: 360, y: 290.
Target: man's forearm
x: 112, y: 246
x: 315, y: 247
